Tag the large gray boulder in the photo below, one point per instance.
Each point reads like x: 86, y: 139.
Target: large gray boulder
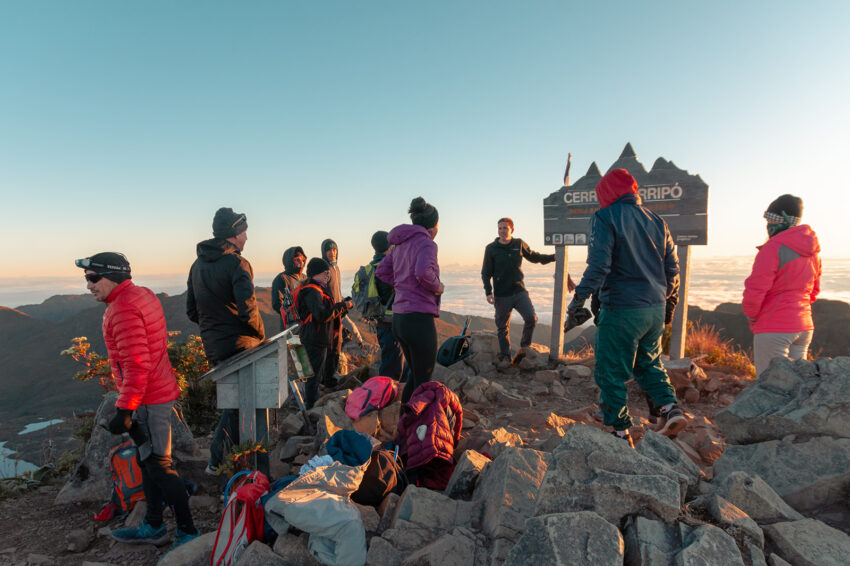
x: 508, y: 490
x: 483, y: 350
x: 809, y: 542
x: 754, y: 497
x: 802, y: 398
x: 456, y: 548
x: 465, y: 475
x: 661, y: 449
x: 649, y: 542
x: 430, y: 509
x: 807, y: 475
x: 707, y: 544
x: 568, y: 539
x: 592, y: 470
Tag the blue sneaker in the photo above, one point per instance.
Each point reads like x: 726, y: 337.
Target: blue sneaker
x: 181, y: 537
x: 143, y: 534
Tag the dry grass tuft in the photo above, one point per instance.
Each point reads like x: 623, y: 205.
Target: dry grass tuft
x: 705, y: 340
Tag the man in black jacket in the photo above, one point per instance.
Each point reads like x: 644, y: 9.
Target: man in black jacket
x: 502, y: 263
x: 221, y: 300
x: 284, y: 284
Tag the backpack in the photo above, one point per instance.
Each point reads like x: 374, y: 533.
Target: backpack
x: 293, y: 310
x: 364, y: 293
x: 242, y: 519
x: 383, y: 476
x: 375, y: 394
x: 126, y: 482
x: 454, y: 349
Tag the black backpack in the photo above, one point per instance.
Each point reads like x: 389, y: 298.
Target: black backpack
x: 456, y: 348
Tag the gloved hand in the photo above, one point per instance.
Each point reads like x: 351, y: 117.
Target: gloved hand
x: 576, y: 318
x: 121, y: 422
x: 138, y: 434
x: 595, y: 307
x: 576, y: 303
x: 668, y: 313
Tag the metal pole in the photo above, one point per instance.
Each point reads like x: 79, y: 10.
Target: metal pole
x: 559, y: 303
x: 680, y: 317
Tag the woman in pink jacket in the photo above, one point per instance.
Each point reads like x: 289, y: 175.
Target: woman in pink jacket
x: 411, y: 269
x: 785, y: 281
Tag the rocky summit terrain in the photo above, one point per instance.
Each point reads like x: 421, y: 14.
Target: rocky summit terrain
x: 759, y: 477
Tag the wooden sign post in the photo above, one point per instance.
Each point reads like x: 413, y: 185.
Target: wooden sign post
x: 672, y: 193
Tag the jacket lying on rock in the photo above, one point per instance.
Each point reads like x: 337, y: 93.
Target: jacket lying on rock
x: 319, y: 503
x: 429, y: 425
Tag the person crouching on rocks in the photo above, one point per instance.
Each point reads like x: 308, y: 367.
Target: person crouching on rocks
x: 135, y: 334
x: 318, y: 315
x: 784, y: 282
x: 411, y: 269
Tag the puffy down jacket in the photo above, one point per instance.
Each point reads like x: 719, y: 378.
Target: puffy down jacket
x: 136, y: 339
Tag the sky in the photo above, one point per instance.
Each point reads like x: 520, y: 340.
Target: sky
x: 126, y: 125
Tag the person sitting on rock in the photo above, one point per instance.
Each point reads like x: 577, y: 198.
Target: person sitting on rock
x: 784, y: 282
x: 632, y: 262
x: 136, y: 340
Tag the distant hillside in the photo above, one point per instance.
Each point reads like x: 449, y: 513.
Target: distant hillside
x: 59, y: 307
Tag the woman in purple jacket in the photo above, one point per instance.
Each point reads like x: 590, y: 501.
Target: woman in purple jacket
x: 411, y: 268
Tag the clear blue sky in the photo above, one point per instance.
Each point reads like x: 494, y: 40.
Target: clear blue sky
x: 126, y: 125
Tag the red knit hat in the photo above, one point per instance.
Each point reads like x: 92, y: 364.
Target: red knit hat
x: 613, y: 185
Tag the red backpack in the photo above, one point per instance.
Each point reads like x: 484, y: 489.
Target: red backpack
x: 242, y: 520
x: 375, y: 394
x: 126, y: 482
x: 293, y: 312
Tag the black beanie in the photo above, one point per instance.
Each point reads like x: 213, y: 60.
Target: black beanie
x: 111, y: 265
x: 227, y: 223
x: 789, y: 204
x: 379, y: 242
x: 317, y: 265
x: 423, y: 214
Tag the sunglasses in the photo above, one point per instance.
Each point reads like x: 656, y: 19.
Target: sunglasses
x: 95, y: 277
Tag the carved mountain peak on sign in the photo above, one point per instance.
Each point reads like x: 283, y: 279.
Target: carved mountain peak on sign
x: 628, y: 160
x: 593, y: 171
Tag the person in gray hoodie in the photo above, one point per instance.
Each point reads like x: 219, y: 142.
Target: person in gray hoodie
x: 294, y: 260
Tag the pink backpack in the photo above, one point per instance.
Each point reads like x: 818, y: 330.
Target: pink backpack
x: 375, y: 394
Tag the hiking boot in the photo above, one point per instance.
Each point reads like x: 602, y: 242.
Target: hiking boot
x: 672, y: 421
x: 520, y: 355
x: 181, y: 537
x: 503, y: 362
x: 143, y: 534
x: 624, y: 435
x: 211, y: 470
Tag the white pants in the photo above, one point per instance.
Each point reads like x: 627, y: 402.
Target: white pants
x: 769, y: 345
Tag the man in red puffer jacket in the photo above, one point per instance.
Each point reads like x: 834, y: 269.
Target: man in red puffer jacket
x: 785, y: 281
x: 136, y: 341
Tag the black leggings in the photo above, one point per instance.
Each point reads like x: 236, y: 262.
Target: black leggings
x: 416, y: 332
x: 162, y: 484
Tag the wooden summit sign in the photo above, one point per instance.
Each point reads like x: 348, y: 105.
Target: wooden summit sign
x: 672, y: 193
x: 677, y: 196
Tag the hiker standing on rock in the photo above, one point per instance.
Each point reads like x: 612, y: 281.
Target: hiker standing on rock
x: 319, y: 314
x: 330, y: 253
x: 503, y: 265
x: 631, y: 261
x: 220, y: 299
x: 136, y: 340
x: 411, y: 268
x: 294, y: 260
x: 785, y: 281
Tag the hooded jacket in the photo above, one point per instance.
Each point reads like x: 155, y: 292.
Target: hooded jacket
x: 429, y: 425
x: 785, y: 281
x: 630, y: 257
x: 503, y: 264
x: 286, y: 280
x: 221, y: 300
x: 335, y: 283
x: 136, y: 341
x: 411, y: 269
x: 323, y: 313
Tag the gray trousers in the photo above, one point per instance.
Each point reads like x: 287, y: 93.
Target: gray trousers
x: 504, y: 305
x: 769, y: 345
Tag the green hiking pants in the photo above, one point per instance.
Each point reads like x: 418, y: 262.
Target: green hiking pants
x: 628, y: 343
